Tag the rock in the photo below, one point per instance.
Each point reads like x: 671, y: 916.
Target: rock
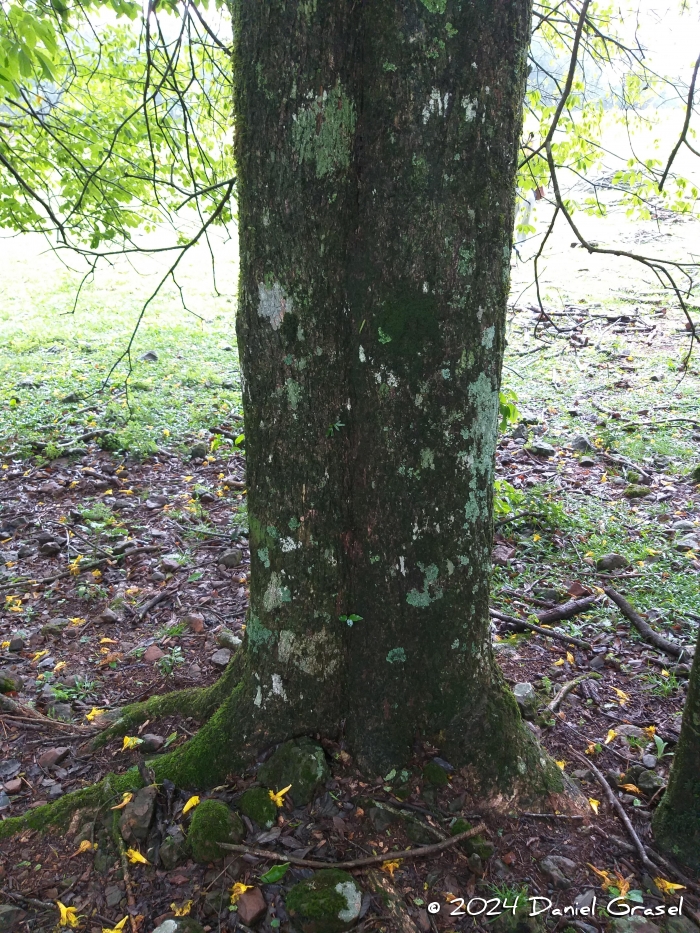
x: 221, y: 658
x: 502, y: 555
x: 26, y: 551
x: 612, y: 562
x: 633, y: 925
x: 55, y: 628
x: 435, y: 775
x: 10, y: 918
x: 634, y: 491
x: 53, y: 757
x: 137, y: 815
x: 256, y: 804
x: 150, y: 356
x: 684, y: 526
x: 519, y: 433
x: 626, y: 728
x: 198, y: 451
x: 173, y: 850
x: 212, y: 823
x: 14, y: 786
x: 541, y: 448
x: 587, y: 461
x: 649, y: 782
x: 680, y: 925
x: 477, y: 845
x: 113, y: 895
x: 50, y: 548
x: 301, y: 763
x: 381, y: 818
x: 694, y: 475
x: 16, y: 643
x: 559, y: 870
x: 649, y: 761
x: 152, y: 742
x: 526, y: 698
x: 5, y: 801
x: 251, y: 906
x: 180, y: 925
x: 194, y: 621
x: 581, y: 443
x: 227, y: 639
x: 232, y: 557
x: 327, y: 902
x: 10, y: 682
x: 170, y: 563
x: 153, y: 654
x: 108, y: 616
x: 585, y: 899
x: 62, y: 711
x: 688, y: 543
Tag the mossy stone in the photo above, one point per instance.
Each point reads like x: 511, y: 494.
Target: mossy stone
x: 436, y: 775
x: 477, y: 845
x: 633, y: 491
x: 256, y: 804
x: 695, y: 474
x: 211, y: 824
x: 328, y: 902
x: 301, y: 763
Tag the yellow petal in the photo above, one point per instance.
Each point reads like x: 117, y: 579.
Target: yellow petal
x: 278, y: 798
x: 668, y: 887
x: 632, y: 788
x: 118, y: 928
x: 69, y: 915
x: 131, y: 741
x: 126, y: 798
x: 594, y: 804
x: 59, y: 667
x: 610, y: 736
x: 94, y: 713
x: 390, y: 867
x: 622, y: 695
x: 560, y: 764
x: 135, y: 857
x: 108, y: 641
x: 239, y: 889
x: 570, y: 658
x: 191, y: 804
x: 183, y: 910
x: 85, y: 846
x: 559, y: 662
x: 649, y: 731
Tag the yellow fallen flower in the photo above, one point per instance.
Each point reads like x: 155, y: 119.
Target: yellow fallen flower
x: 136, y: 858
x: 668, y: 887
x: 126, y: 798
x: 69, y: 915
x: 131, y: 741
x: 118, y: 928
x: 594, y: 805
x: 238, y: 890
x: 278, y: 798
x: 390, y: 867
x: 94, y: 713
x: 191, y: 804
x: 183, y: 910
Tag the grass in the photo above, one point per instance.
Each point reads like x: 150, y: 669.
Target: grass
x: 54, y: 360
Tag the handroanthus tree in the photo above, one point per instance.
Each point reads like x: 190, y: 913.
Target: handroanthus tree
x: 376, y: 154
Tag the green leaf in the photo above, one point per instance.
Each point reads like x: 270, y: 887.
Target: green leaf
x: 276, y: 873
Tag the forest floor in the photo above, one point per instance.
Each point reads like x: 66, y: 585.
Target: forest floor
x: 124, y: 575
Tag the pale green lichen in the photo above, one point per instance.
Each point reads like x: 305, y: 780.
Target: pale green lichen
x: 264, y: 555
x: 256, y: 632
x: 276, y: 594
x: 323, y: 130
x: 422, y: 600
x: 293, y: 393
x: 396, y: 656
x: 273, y: 304
x: 427, y: 459
x: 435, y: 6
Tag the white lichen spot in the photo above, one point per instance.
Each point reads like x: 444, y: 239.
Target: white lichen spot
x: 487, y: 337
x: 469, y: 105
x: 425, y: 288
x: 378, y: 377
x: 436, y: 105
x: 353, y: 901
x: 276, y: 594
x: 522, y: 767
x: 455, y: 644
x: 392, y: 380
x: 289, y: 544
x: 258, y: 697
x: 273, y: 304
x: 363, y: 358
x: 402, y: 565
x: 316, y: 655
x: 278, y: 687
x: 450, y: 567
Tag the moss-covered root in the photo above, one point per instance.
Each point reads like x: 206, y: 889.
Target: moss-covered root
x: 198, y: 702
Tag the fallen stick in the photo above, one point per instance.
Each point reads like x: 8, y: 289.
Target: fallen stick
x: 567, y: 610
x: 359, y: 862
x: 158, y: 598
x: 133, y: 552
x: 549, y: 632
x: 568, y: 687
x: 644, y: 629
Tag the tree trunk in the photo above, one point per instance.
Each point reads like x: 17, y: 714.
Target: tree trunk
x: 676, y: 822
x: 376, y: 147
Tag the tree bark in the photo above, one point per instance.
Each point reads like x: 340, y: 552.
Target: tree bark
x: 676, y: 823
x: 376, y: 149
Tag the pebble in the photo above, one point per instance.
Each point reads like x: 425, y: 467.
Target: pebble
x: 541, y: 449
x: 14, y: 786
x: 232, y: 557
x: 221, y: 657
x: 151, y: 742
x: 195, y: 622
x: 582, y: 443
x: 53, y: 757
x: 587, y: 461
x: 251, y: 906
x: 649, y: 761
x: 108, y: 616
x: 16, y: 643
x: 153, y: 653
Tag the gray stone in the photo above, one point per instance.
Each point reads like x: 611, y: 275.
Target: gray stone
x: 113, y: 895
x: 108, y: 616
x: 587, y: 461
x: 559, y: 869
x: 232, y: 557
x: 16, y: 643
x: 137, y: 815
x: 680, y: 925
x: 10, y: 918
x: 633, y: 925
x: 50, y: 548
x: 541, y: 448
x: 227, y: 639
x: 649, y: 761
x: 150, y: 356
x: 53, y: 757
x: 688, y: 543
x: 301, y: 763
x: 221, y: 657
x: 649, y: 782
x: 585, y: 899
x: 581, y: 443
x: 526, y: 698
x: 684, y: 526
x: 612, y: 562
x: 152, y: 742
x: 172, y: 851
x: 626, y: 728
x: 519, y: 433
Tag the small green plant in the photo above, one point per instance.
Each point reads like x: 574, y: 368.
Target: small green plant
x: 334, y: 428
x: 661, y: 748
x: 507, y: 408
x: 506, y: 498
x: 170, y: 661
x: 661, y: 686
x: 350, y: 619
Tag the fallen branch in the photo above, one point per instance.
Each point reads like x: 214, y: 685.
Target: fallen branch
x: 132, y: 552
x: 568, y: 687
x: 567, y: 610
x: 644, y: 629
x: 158, y: 598
x: 549, y: 632
x: 620, y: 810
x: 359, y: 862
